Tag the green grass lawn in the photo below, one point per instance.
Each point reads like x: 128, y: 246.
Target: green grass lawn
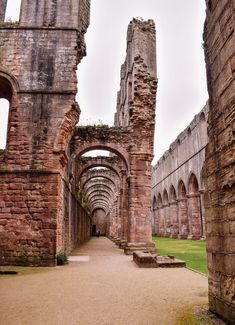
x: 193, y: 252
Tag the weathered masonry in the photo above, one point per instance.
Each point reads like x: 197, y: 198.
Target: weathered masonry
x: 177, y: 184
x: 219, y: 37
x: 130, y: 143
x: 38, y: 61
x: 52, y: 197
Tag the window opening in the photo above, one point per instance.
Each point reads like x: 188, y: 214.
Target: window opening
x: 12, y: 13
x: 4, y: 112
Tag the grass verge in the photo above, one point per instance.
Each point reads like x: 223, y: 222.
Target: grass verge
x: 193, y: 252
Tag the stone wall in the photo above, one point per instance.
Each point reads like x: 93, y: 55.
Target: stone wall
x: 2, y: 9
x: 219, y: 37
x: 177, y: 186
x: 38, y: 61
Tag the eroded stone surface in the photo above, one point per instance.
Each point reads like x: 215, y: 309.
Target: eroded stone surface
x: 219, y: 37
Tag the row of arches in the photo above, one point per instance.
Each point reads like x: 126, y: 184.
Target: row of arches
x: 177, y: 212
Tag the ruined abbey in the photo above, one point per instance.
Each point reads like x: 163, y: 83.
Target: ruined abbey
x: 53, y: 198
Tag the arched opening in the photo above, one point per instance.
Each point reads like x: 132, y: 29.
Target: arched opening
x: 12, y: 12
x: 194, y: 209
x: 5, y: 103
x: 99, y: 222
x: 4, y: 112
x: 174, y: 213
x: 182, y: 211
x: 202, y: 117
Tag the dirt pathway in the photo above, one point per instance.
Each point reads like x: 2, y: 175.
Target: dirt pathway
x: 101, y: 286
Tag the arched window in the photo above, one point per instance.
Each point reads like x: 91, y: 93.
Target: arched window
x: 5, y: 99
x: 4, y: 112
x: 159, y: 201
x: 202, y: 117
x: 181, y: 190
x: 172, y: 194
x: 193, y: 184
x: 12, y: 13
x: 165, y: 197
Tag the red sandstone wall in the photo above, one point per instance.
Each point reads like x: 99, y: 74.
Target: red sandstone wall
x: 39, y: 57
x: 219, y: 36
x: 2, y: 9
x: 28, y: 217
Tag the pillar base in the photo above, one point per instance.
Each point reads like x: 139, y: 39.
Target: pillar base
x: 182, y: 236
x: 130, y: 248
x: 117, y: 241
x: 194, y: 237
x: 123, y: 244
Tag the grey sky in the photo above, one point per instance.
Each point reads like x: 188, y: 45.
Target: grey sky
x: 180, y: 62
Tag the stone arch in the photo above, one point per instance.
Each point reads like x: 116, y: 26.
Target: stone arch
x: 89, y: 166
x: 96, y: 186
x: 66, y: 129
x: 98, y: 145
x: 182, y: 210
x: 194, y: 208
x: 193, y: 186
x: 98, y: 177
x: 159, y: 200
x: 172, y: 194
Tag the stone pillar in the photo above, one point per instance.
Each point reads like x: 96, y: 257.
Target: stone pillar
x: 140, y: 224
x: 124, y: 210
x: 156, y: 221
x: 202, y: 214
x: 167, y: 218
x: 161, y: 221
x: 219, y: 37
x: 183, y: 218
x: 174, y: 219
x: 194, y: 216
x: 3, y: 4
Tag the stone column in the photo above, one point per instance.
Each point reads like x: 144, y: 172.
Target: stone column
x: 140, y: 224
x: 174, y: 219
x: 194, y: 216
x: 156, y: 221
x: 124, y: 210
x: 202, y: 213
x: 161, y: 221
x: 167, y: 218
x: 183, y: 218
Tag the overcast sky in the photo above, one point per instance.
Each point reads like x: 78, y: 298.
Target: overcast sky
x: 182, y: 91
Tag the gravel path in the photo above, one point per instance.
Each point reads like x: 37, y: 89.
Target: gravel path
x: 102, y: 286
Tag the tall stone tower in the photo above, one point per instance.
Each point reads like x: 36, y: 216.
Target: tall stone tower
x: 38, y: 61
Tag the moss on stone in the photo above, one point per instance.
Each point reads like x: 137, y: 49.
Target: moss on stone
x: 197, y: 315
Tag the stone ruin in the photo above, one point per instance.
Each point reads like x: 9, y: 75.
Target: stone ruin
x: 50, y: 194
